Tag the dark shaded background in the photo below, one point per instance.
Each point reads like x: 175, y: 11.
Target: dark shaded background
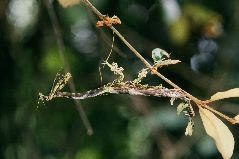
x: 203, y: 34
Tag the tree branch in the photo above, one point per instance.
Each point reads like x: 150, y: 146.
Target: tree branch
x: 101, y: 16
x: 126, y: 88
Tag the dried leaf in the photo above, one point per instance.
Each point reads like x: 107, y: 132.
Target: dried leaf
x: 67, y: 3
x: 142, y: 74
x: 108, y: 21
x: 227, y: 94
x: 117, y: 70
x: 172, y: 101
x: 237, y: 118
x: 189, y: 129
x: 99, y: 23
x: 114, y: 20
x: 181, y: 107
x: 219, y: 132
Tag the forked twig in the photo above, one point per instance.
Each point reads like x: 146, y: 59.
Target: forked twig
x: 101, y: 16
x: 197, y: 101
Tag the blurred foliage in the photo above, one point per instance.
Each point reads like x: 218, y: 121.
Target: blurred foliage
x: 202, y: 34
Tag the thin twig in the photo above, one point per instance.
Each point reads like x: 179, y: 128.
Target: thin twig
x: 101, y: 16
x: 231, y: 120
x: 61, y: 50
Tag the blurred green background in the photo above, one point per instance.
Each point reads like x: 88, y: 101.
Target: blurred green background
x: 203, y: 34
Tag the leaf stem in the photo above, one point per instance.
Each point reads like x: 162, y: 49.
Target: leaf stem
x: 231, y: 120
